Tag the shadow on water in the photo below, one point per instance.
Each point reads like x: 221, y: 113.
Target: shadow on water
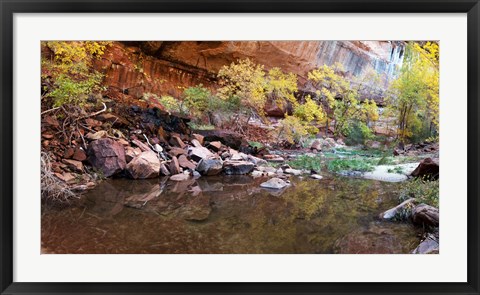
x: 229, y: 214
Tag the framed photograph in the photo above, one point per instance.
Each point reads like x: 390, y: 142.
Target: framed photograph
x: 266, y: 147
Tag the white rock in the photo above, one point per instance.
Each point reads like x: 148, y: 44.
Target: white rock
x: 275, y: 183
x: 316, y: 176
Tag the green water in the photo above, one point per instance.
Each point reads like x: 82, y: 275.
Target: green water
x: 229, y: 214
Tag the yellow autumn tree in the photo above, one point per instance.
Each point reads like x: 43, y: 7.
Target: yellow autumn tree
x: 414, y: 97
x: 68, y: 76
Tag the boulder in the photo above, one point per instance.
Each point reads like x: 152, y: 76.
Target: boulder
x: 185, y: 163
x: 199, y: 153
x: 107, y: 155
x: 210, y: 166
x: 237, y: 167
x: 174, y: 166
x: 397, y: 210
x: 275, y: 183
x: 316, y: 176
x: 131, y: 153
x: 427, y: 169
x: 426, y: 215
x: 428, y: 246
x: 145, y: 165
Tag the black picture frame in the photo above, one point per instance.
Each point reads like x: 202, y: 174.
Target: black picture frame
x: 9, y: 7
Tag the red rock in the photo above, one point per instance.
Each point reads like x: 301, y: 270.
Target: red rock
x: 47, y: 135
x: 66, y: 177
x: 198, y: 137
x: 164, y: 170
x: 49, y: 120
x: 177, y: 141
x: 176, y: 151
x: 215, y: 145
x: 79, y: 154
x: 427, y: 169
x: 68, y: 153
x: 174, y: 166
x: 196, y: 143
x: 145, y: 165
x: 185, y: 163
x: 107, y: 155
x: 76, y: 166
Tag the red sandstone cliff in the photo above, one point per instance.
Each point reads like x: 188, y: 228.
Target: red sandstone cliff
x: 162, y: 67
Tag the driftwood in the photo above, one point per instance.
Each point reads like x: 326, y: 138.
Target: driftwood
x: 426, y: 215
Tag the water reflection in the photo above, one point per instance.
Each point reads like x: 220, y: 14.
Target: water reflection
x: 227, y: 214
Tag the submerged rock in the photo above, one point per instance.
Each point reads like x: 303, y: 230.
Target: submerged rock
x: 107, y: 155
x: 275, y: 183
x: 377, y: 239
x: 145, y: 165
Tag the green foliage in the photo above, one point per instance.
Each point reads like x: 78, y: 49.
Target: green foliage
x: 68, y: 77
x: 350, y: 164
x: 424, y: 191
x: 358, y: 133
x: 196, y: 99
x: 301, y: 124
x: 414, y: 98
x: 307, y: 162
x: 291, y: 129
x: 340, y: 99
x: 255, y: 144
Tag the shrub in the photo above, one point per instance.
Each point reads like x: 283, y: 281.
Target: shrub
x: 351, y: 164
x: 424, y: 191
x: 357, y: 133
x: 307, y: 162
x: 68, y: 77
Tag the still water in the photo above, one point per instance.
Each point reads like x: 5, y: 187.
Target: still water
x: 229, y: 214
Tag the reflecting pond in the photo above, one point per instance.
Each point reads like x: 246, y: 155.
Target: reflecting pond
x: 229, y: 214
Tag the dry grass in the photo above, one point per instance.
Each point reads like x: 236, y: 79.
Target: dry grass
x: 52, y: 188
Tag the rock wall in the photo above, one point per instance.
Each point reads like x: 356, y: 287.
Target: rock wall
x: 162, y: 66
